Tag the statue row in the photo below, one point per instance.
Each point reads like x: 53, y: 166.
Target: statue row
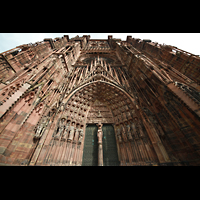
x: 129, y: 130
x: 69, y: 131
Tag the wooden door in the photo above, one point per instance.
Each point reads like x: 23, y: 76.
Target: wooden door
x: 110, y: 156
x: 90, y: 151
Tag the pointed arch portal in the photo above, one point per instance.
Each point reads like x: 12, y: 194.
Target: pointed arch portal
x: 123, y: 138
x: 103, y: 103
x: 99, y: 96
x: 83, y: 101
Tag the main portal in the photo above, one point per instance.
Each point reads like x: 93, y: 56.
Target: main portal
x: 90, y: 151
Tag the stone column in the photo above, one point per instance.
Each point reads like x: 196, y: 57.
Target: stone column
x: 100, y: 148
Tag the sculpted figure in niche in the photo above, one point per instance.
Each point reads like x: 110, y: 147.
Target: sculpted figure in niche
x: 76, y: 133
x: 123, y: 132
x: 61, y: 128
x: 39, y: 108
x: 79, y: 117
x: 11, y: 91
x: 99, y: 114
x: 52, y: 111
x: 128, y: 129
x: 41, y: 127
x: 139, y: 126
x: 118, y: 134
x: 100, y: 133
x: 61, y: 107
x: 80, y: 135
x: 134, y: 127
x: 71, y: 132
x: 29, y: 98
x: 66, y: 130
x: 71, y: 114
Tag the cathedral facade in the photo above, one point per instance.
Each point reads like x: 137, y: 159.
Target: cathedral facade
x: 99, y: 102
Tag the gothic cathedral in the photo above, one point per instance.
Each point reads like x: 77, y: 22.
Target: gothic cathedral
x: 99, y: 102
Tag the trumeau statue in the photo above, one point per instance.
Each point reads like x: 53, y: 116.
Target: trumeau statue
x: 99, y: 133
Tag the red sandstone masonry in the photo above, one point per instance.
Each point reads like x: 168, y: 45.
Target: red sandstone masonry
x: 99, y: 81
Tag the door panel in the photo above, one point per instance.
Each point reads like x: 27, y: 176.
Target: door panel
x: 110, y: 156
x: 90, y: 151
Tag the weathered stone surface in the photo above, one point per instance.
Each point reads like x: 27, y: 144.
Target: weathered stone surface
x: 51, y: 90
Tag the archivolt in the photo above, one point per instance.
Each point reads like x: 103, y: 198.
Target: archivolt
x: 115, y: 87
x: 78, y: 102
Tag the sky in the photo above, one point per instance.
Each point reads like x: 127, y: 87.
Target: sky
x: 189, y: 42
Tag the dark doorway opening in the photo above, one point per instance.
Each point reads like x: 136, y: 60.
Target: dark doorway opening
x: 110, y: 156
x: 90, y: 151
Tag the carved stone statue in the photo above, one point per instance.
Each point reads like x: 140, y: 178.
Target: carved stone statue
x: 61, y: 107
x: 100, y: 148
x: 65, y: 134
x: 118, y: 134
x: 39, y: 108
x: 29, y: 98
x: 128, y: 129
x: 71, y: 132
x: 41, y: 127
x: 99, y: 114
x: 61, y: 128
x: 133, y: 129
x: 135, y: 125
x: 100, y: 133
x: 80, y: 136
x: 76, y: 134
x: 123, y: 132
